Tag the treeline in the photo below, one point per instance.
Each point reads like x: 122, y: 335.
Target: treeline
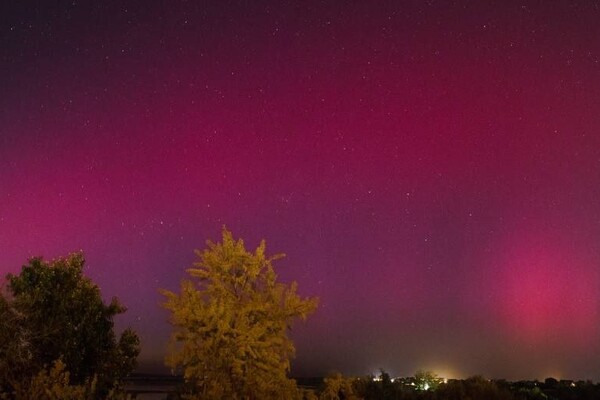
x: 230, y: 319
x: 338, y: 387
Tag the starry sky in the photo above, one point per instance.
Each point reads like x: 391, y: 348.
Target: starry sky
x: 431, y: 169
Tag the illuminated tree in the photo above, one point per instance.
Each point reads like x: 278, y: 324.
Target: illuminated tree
x: 338, y: 387
x: 427, y: 380
x: 231, y: 325
x: 51, y: 312
x: 54, y: 383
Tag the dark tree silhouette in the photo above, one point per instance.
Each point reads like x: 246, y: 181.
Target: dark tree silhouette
x: 50, y: 311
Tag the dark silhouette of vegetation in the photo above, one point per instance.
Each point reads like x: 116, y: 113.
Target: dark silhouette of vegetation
x: 230, y: 340
x: 51, y: 313
x: 338, y: 387
x: 231, y: 325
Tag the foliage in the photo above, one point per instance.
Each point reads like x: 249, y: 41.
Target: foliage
x: 54, y: 384
x: 307, y: 394
x: 15, y: 352
x: 476, y: 388
x: 231, y: 324
x: 50, y: 311
x: 427, y: 380
x: 337, y: 387
x: 385, y: 388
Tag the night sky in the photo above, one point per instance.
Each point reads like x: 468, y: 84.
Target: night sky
x: 431, y: 169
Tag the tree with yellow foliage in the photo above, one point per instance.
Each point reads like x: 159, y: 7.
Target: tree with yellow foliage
x: 231, y: 324
x: 54, y: 383
x: 337, y: 386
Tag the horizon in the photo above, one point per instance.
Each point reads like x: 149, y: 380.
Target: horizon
x: 155, y: 370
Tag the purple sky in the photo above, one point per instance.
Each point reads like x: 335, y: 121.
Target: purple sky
x: 431, y: 169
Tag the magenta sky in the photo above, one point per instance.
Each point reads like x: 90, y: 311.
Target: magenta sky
x: 432, y: 170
